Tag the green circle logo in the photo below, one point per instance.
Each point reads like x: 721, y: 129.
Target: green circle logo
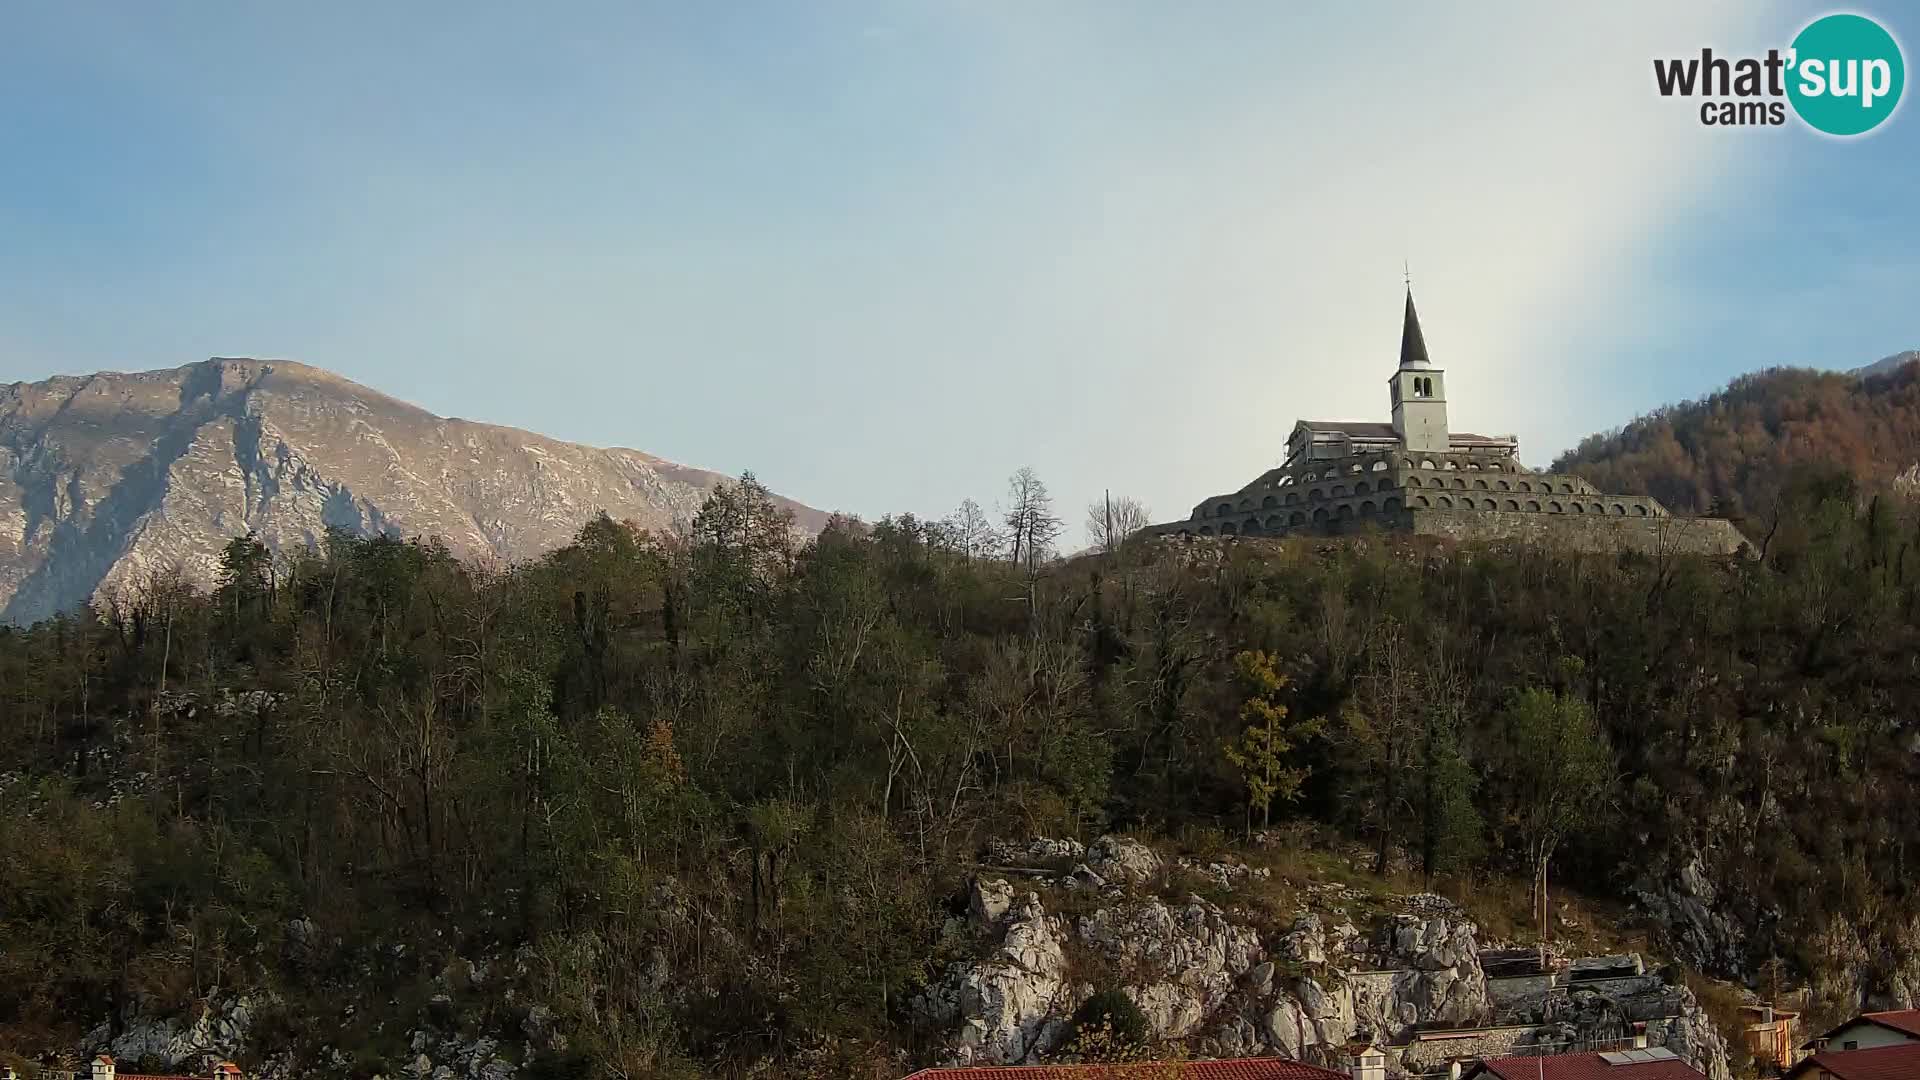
x: 1847, y: 74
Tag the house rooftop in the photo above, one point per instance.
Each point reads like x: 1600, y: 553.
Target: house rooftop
x: 1230, y: 1069
x: 1657, y: 1063
x: 1904, y: 1021
x: 1898, y: 1062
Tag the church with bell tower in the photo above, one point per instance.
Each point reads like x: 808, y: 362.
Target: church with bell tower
x: 1416, y: 474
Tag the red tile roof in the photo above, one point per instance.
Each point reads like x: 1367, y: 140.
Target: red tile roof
x: 1234, y: 1069
x: 1907, y: 1020
x: 1584, y: 1067
x: 1897, y: 1062
x: 1904, y: 1021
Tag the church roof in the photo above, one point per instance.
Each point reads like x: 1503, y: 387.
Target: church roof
x: 1369, y: 429
x: 1362, y: 429
x: 1413, y: 344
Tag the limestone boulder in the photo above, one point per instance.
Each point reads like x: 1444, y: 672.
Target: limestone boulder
x: 1115, y: 858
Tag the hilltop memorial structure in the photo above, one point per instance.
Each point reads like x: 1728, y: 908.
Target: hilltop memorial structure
x: 1416, y: 474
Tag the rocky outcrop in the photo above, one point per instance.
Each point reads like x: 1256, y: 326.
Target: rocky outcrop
x: 1012, y: 1005
x: 219, y: 1028
x: 1180, y: 962
x: 1203, y: 975
x: 1118, y: 859
x: 107, y: 479
x: 1683, y: 905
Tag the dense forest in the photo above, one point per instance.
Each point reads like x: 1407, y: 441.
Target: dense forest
x: 713, y: 793
x: 1732, y: 451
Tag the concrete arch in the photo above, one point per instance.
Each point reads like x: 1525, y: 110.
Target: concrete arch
x: 1320, y: 514
x: 1450, y: 466
x: 1511, y: 505
x: 1269, y: 503
x: 1503, y: 485
x: 1316, y: 495
x: 1460, y: 482
x: 1413, y: 481
x: 1224, y: 508
x: 1578, y: 508
x: 1367, y: 508
x: 1360, y: 488
x: 1481, y: 484
x: 1274, y: 524
x: 1355, y: 467
x: 1446, y: 503
x: 1421, y: 500
x: 1533, y: 505
x: 1619, y: 510
x: 1339, y: 491
x: 1206, y: 530
x: 1228, y: 528
x: 1297, y: 518
x: 1567, y: 488
x: 1344, y: 511
x: 1555, y: 508
x: 1640, y: 508
x: 1392, y: 504
x: 1251, y: 528
x: 1524, y: 486
x: 1293, y: 497
x: 1598, y: 509
x: 1489, y: 505
x: 1427, y: 463
x: 1380, y: 466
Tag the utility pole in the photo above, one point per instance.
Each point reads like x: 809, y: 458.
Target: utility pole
x: 1108, y: 493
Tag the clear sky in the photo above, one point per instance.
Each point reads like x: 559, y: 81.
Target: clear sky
x: 885, y: 253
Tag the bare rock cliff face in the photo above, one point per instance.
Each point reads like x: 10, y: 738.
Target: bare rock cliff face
x: 105, y: 479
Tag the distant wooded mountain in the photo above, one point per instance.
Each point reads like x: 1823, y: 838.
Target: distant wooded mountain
x: 105, y: 478
x: 1733, y: 449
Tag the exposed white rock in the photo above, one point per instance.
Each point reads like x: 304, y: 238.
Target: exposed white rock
x: 1116, y: 858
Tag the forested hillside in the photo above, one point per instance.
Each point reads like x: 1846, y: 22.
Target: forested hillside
x: 707, y: 803
x: 1732, y: 451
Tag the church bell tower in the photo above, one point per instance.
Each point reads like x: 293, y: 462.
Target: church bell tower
x: 1419, y: 391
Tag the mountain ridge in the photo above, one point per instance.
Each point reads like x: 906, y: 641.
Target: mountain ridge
x: 1735, y: 449
x: 109, y: 478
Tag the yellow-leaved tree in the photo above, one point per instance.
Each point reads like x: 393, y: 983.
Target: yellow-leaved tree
x: 1260, y: 752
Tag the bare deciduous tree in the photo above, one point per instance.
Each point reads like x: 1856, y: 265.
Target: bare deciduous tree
x: 1031, y: 525
x: 1111, y: 520
x: 971, y: 532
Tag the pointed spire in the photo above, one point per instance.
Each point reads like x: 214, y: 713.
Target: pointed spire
x: 1413, y: 345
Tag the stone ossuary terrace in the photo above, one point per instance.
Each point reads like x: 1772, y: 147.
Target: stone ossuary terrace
x: 1415, y: 475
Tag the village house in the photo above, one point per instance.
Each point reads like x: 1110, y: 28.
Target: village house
x: 103, y: 1067
x: 1365, y: 1063
x: 1771, y: 1035
x: 1897, y: 1061
x: 1654, y: 1063
x: 1868, y: 1030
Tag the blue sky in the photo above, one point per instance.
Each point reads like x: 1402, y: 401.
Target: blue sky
x: 883, y: 254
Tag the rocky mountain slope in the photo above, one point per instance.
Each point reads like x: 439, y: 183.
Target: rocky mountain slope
x: 107, y: 478
x: 1203, y: 973
x: 1888, y: 365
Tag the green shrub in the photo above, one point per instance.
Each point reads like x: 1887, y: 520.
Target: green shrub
x: 1113, y: 1012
